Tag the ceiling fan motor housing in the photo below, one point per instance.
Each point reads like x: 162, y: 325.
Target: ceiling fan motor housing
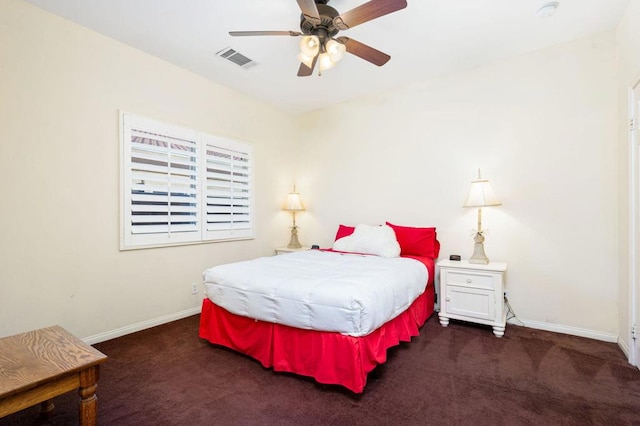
x: 327, y: 13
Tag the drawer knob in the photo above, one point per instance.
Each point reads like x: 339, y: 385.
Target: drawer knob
x: 468, y: 280
x: 448, y: 299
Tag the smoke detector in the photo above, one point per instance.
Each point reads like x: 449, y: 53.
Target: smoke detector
x: 547, y: 9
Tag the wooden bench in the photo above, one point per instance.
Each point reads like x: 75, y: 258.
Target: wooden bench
x: 39, y: 365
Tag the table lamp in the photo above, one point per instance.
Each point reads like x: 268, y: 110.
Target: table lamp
x: 480, y: 195
x: 293, y: 204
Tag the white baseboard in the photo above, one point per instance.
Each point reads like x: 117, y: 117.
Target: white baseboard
x: 566, y: 329
x: 557, y: 328
x: 108, y: 335
x: 625, y: 348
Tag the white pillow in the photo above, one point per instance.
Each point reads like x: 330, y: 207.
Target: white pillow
x: 369, y: 239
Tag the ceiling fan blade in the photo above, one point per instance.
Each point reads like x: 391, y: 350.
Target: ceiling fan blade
x: 366, y: 12
x: 264, y: 33
x: 365, y: 52
x: 305, y: 71
x: 310, y: 11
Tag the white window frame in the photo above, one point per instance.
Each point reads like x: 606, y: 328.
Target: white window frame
x: 198, y: 186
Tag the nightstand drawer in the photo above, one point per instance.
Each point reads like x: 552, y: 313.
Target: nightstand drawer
x: 469, y: 279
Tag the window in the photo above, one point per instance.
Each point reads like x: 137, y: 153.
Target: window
x: 181, y: 186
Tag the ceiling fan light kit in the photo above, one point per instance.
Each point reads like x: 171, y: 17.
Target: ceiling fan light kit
x: 321, y: 23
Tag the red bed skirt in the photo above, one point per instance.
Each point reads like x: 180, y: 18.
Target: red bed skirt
x: 330, y: 358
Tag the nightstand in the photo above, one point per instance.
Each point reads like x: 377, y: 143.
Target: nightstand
x: 285, y: 249
x: 473, y: 292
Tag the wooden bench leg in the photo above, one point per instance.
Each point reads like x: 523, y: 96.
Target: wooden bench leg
x: 46, y: 408
x: 88, y: 406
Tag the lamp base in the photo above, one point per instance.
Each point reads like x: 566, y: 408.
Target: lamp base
x: 478, y: 256
x: 294, y: 243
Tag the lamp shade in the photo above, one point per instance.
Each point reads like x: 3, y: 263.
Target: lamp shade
x: 481, y: 195
x: 293, y: 202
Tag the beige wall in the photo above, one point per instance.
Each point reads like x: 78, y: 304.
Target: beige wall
x: 542, y: 127
x: 61, y: 87
x: 628, y: 38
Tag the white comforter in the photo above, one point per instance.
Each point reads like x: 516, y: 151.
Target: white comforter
x: 346, y: 293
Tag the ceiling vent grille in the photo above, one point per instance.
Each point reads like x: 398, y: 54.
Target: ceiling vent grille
x: 237, y: 58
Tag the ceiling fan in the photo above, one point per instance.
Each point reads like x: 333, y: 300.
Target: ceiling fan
x: 320, y: 24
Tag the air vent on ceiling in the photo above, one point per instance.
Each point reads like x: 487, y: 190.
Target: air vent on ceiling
x: 237, y: 58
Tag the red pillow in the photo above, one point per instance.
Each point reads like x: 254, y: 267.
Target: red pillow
x: 417, y: 241
x: 344, y: 231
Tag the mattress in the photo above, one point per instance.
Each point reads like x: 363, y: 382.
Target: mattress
x: 318, y: 290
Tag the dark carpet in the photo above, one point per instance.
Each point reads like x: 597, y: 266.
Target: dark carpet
x: 459, y: 375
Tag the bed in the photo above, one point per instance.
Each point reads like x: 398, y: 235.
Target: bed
x: 327, y: 314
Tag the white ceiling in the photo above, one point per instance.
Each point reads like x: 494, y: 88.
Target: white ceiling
x: 427, y: 39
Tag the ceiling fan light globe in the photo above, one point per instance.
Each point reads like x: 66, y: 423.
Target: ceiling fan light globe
x: 336, y: 50
x: 307, y: 60
x: 325, y: 62
x: 310, y: 45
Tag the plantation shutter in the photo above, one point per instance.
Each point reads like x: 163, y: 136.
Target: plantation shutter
x: 181, y: 186
x: 161, y: 187
x: 228, y: 189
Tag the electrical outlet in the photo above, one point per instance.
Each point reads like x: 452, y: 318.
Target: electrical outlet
x: 506, y: 294
x: 194, y: 288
